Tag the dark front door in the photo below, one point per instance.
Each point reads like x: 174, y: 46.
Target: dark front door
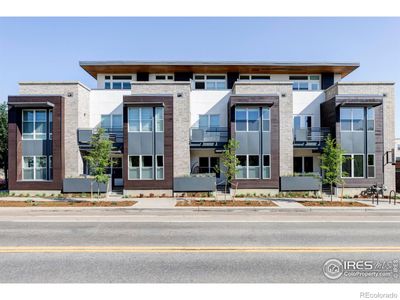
x: 116, y: 173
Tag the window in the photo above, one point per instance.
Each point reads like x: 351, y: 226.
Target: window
x: 305, y: 82
x: 209, y: 82
x: 118, y: 82
x: 206, y: 121
x: 353, y: 167
x: 303, y: 164
x: 160, y: 167
x: 265, y: 119
x: 371, y: 165
x: 164, y: 77
x: 247, y: 119
x: 209, y: 165
x: 34, y: 168
x: 159, y: 119
x: 140, y: 119
x: 50, y: 124
x: 113, y: 121
x: 351, y: 119
x: 51, y: 167
x: 140, y: 167
x: 249, y: 167
x: 370, y: 119
x: 34, y: 124
x: 254, y: 77
x: 266, y: 167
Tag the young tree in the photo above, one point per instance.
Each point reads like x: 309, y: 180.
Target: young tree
x: 4, y: 139
x: 332, y: 159
x: 99, y: 157
x: 230, y: 162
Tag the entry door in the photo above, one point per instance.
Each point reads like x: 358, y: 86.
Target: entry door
x: 116, y: 172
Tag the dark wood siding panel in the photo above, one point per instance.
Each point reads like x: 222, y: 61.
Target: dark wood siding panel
x: 273, y: 103
x: 15, y: 144
x: 232, y: 78
x: 327, y: 80
x: 167, y: 183
x: 183, y: 76
x: 142, y: 76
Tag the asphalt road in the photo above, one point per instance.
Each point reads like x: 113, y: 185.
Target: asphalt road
x: 293, y: 250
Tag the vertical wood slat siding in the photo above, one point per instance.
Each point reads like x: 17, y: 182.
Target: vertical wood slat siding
x: 15, y: 144
x: 167, y: 182
x: 273, y: 182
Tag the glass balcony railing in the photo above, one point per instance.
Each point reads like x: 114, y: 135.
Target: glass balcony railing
x: 208, y: 137
x: 116, y: 135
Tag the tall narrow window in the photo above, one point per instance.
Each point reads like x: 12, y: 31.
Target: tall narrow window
x: 358, y: 119
x: 146, y: 168
x: 159, y: 119
x: 371, y: 165
x: 160, y: 167
x: 254, y: 166
x: 134, y: 118
x: 265, y: 119
x: 241, y: 119
x: 347, y: 166
x: 146, y: 116
x: 353, y: 166
x: 266, y: 167
x: 134, y: 167
x: 242, y: 167
x: 371, y: 119
x: 50, y: 124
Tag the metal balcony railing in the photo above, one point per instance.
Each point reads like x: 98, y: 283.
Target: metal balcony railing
x: 116, y: 135
x: 208, y: 137
x: 310, y: 136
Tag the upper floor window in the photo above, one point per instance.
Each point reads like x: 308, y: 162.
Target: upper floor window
x: 206, y: 121
x: 254, y: 77
x: 34, y: 124
x: 140, y: 119
x: 118, y: 82
x: 352, y: 119
x: 112, y: 121
x: 265, y: 119
x: 164, y: 77
x: 370, y: 119
x: 209, y: 82
x: 305, y: 82
x: 247, y: 119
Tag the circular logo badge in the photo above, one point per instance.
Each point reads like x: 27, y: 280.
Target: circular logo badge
x: 333, y: 268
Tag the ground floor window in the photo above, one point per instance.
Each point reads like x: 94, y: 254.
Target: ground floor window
x: 303, y: 164
x: 266, y: 167
x: 141, y: 167
x: 34, y: 168
x: 209, y: 165
x: 249, y: 167
x: 353, y: 166
x: 371, y: 165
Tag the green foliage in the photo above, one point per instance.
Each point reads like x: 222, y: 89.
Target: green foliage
x: 229, y: 160
x: 4, y: 137
x: 332, y: 159
x: 99, y: 158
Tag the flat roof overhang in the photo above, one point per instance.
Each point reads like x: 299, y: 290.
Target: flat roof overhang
x: 24, y: 104
x: 256, y: 67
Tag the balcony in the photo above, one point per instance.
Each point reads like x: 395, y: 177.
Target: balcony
x: 210, y: 137
x: 116, y: 135
x: 311, y: 137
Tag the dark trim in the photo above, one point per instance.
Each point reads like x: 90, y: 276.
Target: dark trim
x: 15, y: 143
x: 183, y: 76
x: 273, y: 103
x: 167, y: 102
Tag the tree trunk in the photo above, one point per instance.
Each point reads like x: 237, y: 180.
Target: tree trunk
x: 331, y: 191
x: 98, y: 191
x: 226, y: 188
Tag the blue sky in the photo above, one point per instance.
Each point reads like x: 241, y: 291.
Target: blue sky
x: 50, y: 48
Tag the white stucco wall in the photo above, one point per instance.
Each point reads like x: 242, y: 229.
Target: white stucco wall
x: 308, y: 103
x: 105, y: 102
x: 209, y: 102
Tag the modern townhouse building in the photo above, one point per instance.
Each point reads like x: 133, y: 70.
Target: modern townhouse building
x: 169, y: 122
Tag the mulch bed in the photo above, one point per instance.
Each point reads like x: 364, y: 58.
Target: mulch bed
x: 66, y: 203
x: 228, y: 203
x: 334, y: 203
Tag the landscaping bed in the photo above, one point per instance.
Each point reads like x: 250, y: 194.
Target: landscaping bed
x: 334, y: 203
x: 228, y: 203
x: 32, y: 203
